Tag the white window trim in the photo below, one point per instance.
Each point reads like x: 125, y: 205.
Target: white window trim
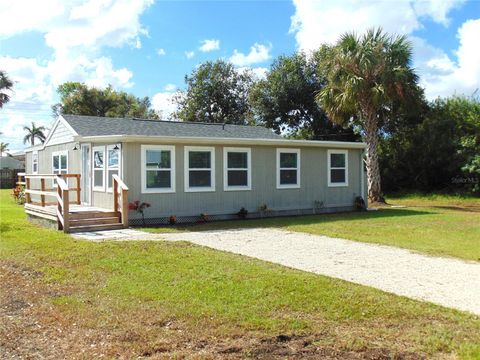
x: 345, y: 183
x: 59, y: 153
x: 146, y: 190
x: 186, y: 174
x: 226, y: 150
x: 94, y: 149
x: 35, y: 154
x: 107, y: 168
x: 292, y: 151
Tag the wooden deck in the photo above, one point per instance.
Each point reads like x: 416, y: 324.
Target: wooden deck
x: 69, y: 215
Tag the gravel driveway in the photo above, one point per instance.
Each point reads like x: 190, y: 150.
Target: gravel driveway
x: 444, y: 281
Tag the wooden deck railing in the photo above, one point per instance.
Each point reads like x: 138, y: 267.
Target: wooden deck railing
x: 120, y: 199
x: 43, y: 192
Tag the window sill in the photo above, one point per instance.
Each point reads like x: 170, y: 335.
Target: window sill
x: 200, y: 189
x: 242, y: 188
x: 158, y: 191
x: 337, y: 184
x: 282, y: 187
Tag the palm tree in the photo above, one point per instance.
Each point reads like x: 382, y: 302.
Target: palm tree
x: 3, y: 148
x: 34, y: 132
x: 365, y: 75
x: 5, y: 86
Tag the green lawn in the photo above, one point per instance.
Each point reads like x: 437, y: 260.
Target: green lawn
x: 436, y: 225
x: 87, y: 300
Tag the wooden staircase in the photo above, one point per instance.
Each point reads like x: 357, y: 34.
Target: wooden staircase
x: 94, y: 221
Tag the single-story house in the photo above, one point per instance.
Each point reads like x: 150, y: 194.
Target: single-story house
x: 186, y: 169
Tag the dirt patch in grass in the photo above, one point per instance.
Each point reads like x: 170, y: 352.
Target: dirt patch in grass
x: 36, y: 322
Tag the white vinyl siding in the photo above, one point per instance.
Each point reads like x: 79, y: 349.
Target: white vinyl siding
x: 237, y: 174
x: 158, y: 169
x: 199, y: 168
x: 288, y: 168
x: 337, y: 168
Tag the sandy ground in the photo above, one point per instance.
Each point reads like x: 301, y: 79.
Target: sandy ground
x: 444, y: 281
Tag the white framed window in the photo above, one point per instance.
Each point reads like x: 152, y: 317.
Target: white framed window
x: 59, y: 163
x: 158, y: 169
x: 337, y: 168
x: 113, y: 164
x: 199, y: 168
x: 35, y: 162
x: 237, y: 169
x: 98, y: 162
x: 288, y: 168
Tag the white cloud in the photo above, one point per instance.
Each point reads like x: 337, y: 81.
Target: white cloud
x: 163, y: 103
x: 258, y: 53
x: 209, y: 45
x: 170, y: 87
x: 76, y: 31
x: 318, y: 22
x: 258, y: 72
x: 189, y: 54
x: 161, y: 52
x: 443, y: 76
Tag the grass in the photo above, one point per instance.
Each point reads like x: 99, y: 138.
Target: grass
x: 69, y: 298
x: 436, y: 225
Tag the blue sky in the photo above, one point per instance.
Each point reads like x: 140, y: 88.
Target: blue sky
x: 146, y: 46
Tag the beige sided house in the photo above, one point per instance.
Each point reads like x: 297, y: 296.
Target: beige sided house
x: 186, y: 169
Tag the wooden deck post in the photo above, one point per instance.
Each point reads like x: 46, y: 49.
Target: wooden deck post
x: 42, y: 197
x: 115, y: 195
x: 78, y: 188
x: 28, y: 199
x: 125, y: 207
x: 66, y: 210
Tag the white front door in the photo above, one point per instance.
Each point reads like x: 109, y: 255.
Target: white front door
x: 86, y: 174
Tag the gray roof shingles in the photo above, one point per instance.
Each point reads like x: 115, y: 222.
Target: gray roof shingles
x: 105, y: 126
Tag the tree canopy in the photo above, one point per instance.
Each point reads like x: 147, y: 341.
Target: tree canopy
x: 285, y: 100
x: 79, y: 99
x: 33, y: 133
x: 365, y: 75
x: 6, y: 86
x: 216, y: 92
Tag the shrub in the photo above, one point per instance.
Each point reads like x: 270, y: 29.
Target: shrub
x: 242, y: 214
x: 139, y: 207
x: 172, y: 220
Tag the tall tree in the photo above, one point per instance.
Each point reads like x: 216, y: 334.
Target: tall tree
x: 4, y: 148
x: 79, y: 99
x: 33, y: 133
x: 6, y: 86
x: 216, y: 93
x: 285, y: 100
x: 365, y: 74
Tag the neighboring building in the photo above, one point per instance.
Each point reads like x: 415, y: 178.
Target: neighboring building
x: 8, y: 162
x: 19, y: 155
x: 186, y: 169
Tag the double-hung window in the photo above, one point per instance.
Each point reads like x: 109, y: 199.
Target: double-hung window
x: 113, y: 164
x: 99, y: 168
x: 288, y: 168
x: 59, y: 163
x: 199, y: 168
x: 337, y: 168
x: 35, y: 162
x: 237, y: 169
x: 158, y: 169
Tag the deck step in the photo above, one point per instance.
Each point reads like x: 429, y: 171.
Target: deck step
x: 92, y: 215
x: 95, y: 227
x: 95, y: 221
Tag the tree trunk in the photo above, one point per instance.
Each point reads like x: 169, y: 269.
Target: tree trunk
x: 373, y: 168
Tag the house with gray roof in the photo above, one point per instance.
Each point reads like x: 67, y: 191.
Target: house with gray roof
x: 186, y: 169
